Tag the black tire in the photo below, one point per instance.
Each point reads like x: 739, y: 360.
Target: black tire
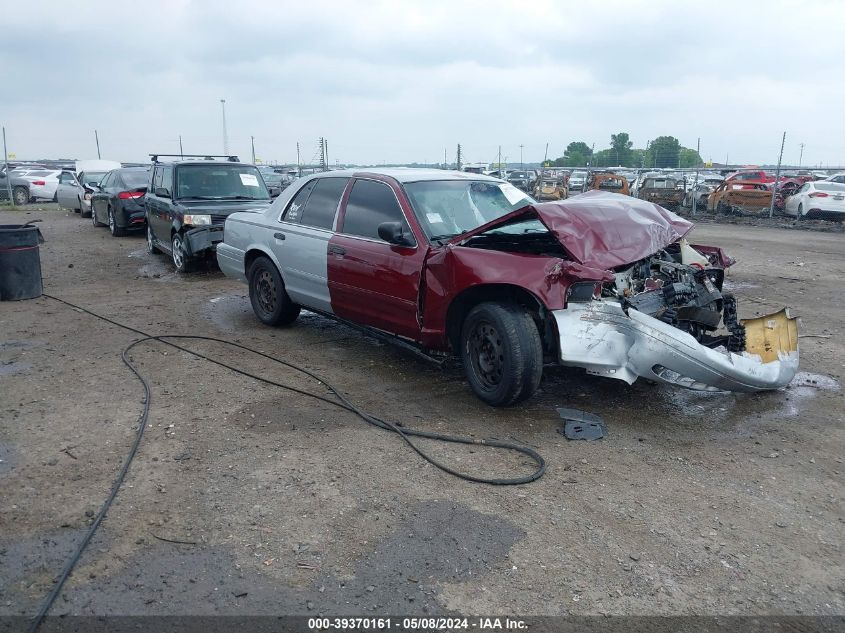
x: 502, y: 353
x: 181, y: 261
x: 116, y: 230
x: 20, y: 196
x: 94, y: 220
x: 56, y: 196
x: 152, y: 249
x: 800, y: 211
x: 82, y: 212
x: 270, y: 302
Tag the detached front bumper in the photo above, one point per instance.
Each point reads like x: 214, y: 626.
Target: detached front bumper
x: 203, y: 238
x: 605, y: 341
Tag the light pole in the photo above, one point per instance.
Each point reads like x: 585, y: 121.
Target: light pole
x: 801, y: 156
x: 252, y: 143
x: 225, y: 134
x: 521, y: 164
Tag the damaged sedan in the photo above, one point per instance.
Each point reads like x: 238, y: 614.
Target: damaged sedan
x: 466, y: 265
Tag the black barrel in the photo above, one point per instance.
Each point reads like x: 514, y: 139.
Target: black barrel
x: 20, y: 262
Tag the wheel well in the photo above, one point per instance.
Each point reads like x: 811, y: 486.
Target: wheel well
x: 253, y: 254
x: 500, y: 293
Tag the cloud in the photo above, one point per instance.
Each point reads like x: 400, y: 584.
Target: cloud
x: 402, y: 81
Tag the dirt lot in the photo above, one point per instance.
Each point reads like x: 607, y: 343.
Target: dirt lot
x: 693, y: 504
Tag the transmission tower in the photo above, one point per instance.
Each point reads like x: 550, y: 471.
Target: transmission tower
x: 458, y: 159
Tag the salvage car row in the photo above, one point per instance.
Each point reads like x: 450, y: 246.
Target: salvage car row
x: 465, y: 265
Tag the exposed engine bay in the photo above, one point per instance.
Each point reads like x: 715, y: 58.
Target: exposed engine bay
x: 681, y: 287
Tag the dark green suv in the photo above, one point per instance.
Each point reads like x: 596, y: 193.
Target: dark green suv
x: 188, y: 200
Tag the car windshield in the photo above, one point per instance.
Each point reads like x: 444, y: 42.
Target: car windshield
x: 519, y: 174
x: 136, y: 177
x: 446, y: 208
x: 220, y: 182
x: 578, y: 174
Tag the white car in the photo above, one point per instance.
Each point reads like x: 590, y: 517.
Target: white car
x: 820, y: 199
x: 43, y: 183
x: 836, y: 178
x: 74, y: 191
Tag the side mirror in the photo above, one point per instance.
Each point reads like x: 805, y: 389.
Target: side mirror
x: 162, y: 192
x: 274, y: 191
x: 395, y: 233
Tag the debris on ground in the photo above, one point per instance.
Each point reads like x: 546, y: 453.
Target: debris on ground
x: 581, y: 425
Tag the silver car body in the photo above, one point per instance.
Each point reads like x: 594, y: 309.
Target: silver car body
x: 70, y: 192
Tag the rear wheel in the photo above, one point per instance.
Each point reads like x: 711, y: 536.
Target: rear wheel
x: 152, y: 249
x: 270, y: 302
x: 502, y: 353
x: 20, y: 195
x: 116, y: 230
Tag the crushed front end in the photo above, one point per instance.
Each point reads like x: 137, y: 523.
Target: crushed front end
x: 665, y: 318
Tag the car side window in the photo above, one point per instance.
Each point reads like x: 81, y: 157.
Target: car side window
x: 370, y: 204
x: 321, y: 207
x: 294, y: 209
x: 167, y: 178
x: 66, y: 178
x: 157, y: 178
x: 107, y: 180
x: 805, y: 188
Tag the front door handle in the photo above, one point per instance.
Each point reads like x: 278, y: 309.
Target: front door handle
x: 336, y: 250
x: 279, y: 236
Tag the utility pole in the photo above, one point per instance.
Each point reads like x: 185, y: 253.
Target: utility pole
x: 326, y: 150
x: 180, y: 147
x: 777, y: 177
x: 6, y: 162
x: 695, y: 182
x: 298, y: 163
x: 801, y: 155
x: 97, y: 141
x: 458, y: 161
x: 445, y: 163
x: 252, y: 143
x: 225, y: 133
x: 500, y: 162
x: 521, y: 164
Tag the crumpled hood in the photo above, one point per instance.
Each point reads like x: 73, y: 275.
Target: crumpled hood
x: 601, y: 229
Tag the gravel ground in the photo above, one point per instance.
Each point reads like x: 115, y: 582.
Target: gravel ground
x: 693, y: 503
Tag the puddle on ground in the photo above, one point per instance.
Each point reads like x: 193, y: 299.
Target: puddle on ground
x: 7, y: 369
x: 6, y: 455
x: 230, y: 313
x: 804, y: 387
x: 738, y: 285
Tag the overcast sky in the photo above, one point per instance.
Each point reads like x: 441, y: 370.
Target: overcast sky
x: 401, y: 81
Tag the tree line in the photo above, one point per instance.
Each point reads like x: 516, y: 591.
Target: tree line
x: 664, y: 151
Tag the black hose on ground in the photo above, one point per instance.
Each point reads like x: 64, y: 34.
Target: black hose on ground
x: 341, y: 402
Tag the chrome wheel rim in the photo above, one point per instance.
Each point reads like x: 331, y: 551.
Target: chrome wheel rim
x: 111, y: 220
x: 178, y: 255
x: 486, y: 354
x: 150, y: 244
x: 265, y: 291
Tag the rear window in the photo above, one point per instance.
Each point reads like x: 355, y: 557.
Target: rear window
x: 322, y: 204
x: 830, y: 186
x: 135, y: 178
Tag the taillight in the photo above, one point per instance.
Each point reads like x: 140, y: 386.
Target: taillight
x: 39, y: 183
x: 126, y: 195
x: 818, y: 194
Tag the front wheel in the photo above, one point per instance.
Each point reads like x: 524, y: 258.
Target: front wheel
x: 270, y: 301
x: 181, y: 261
x: 502, y: 353
x: 94, y: 219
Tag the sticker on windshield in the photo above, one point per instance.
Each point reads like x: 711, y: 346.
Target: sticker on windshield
x: 513, y: 194
x: 434, y: 218
x: 249, y: 180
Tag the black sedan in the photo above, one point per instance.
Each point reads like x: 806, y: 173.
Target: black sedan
x: 119, y: 200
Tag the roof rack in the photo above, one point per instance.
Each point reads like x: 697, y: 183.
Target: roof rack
x: 230, y: 158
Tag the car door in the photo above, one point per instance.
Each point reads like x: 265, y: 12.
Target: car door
x: 155, y: 208
x: 302, y: 241
x: 99, y: 198
x: 67, y: 192
x: 372, y: 282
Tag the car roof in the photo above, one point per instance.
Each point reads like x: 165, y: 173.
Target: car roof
x: 405, y: 175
